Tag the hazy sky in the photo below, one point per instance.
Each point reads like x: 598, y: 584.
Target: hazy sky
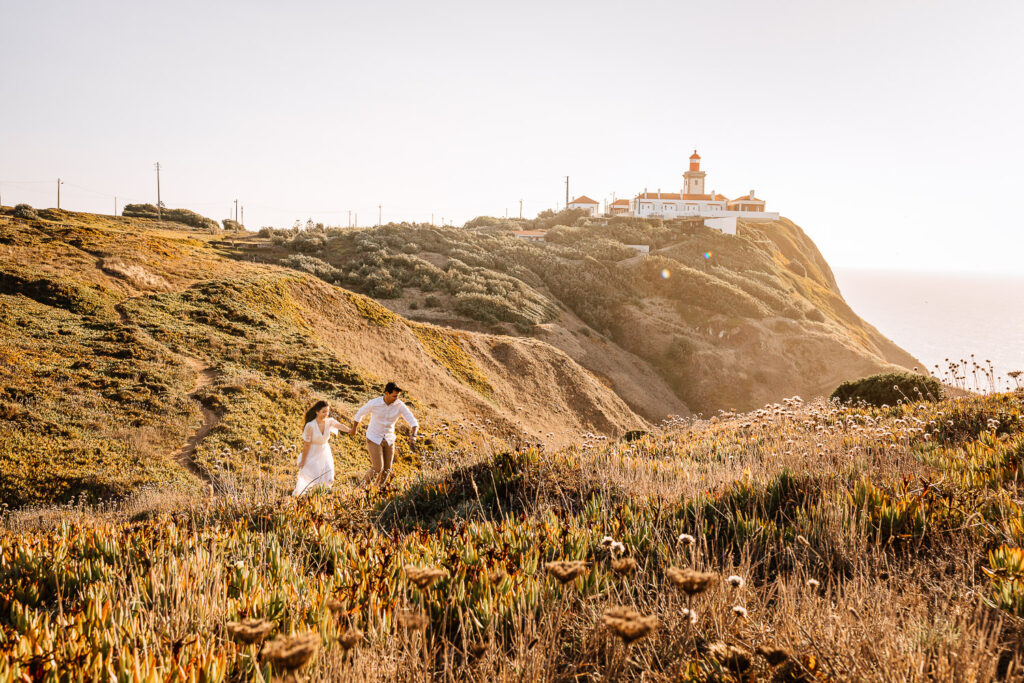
x: 890, y: 131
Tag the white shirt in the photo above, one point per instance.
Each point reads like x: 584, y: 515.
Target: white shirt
x: 383, y: 418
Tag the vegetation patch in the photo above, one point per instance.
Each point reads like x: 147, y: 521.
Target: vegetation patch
x: 444, y: 347
x: 889, y: 389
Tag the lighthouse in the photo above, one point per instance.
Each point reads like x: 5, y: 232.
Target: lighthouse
x: 693, y: 180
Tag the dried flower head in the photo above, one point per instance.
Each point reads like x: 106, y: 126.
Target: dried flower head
x: 291, y: 653
x: 690, y: 615
x: 251, y: 630
x: 423, y: 576
x: 478, y: 649
x: 628, y: 624
x: 734, y: 658
x: 774, y: 655
x: 334, y: 605
x: 350, y: 638
x: 686, y: 539
x: 813, y: 584
x: 623, y: 565
x: 412, y: 620
x: 606, y: 541
x: 689, y: 581
x: 566, y: 570
x: 618, y: 548
x: 735, y: 581
x: 739, y: 612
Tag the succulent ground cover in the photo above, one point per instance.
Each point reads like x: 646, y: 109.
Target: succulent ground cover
x: 799, y: 542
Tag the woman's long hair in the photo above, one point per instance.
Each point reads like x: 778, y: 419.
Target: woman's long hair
x: 311, y: 413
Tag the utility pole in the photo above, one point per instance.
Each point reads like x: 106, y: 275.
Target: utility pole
x: 567, y: 192
x: 350, y: 218
x: 243, y: 218
x: 115, y: 205
x: 379, y: 209
x: 431, y: 219
x: 357, y: 219
x: 236, y: 210
x: 59, y: 183
x: 520, y: 208
x: 159, y: 208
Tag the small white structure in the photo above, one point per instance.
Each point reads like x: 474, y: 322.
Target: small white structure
x: 530, y: 235
x: 642, y: 248
x: 620, y: 207
x: 727, y: 224
x: 585, y: 202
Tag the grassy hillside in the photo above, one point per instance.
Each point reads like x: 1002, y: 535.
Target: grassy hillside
x: 705, y: 322
x: 120, y: 342
x: 830, y: 543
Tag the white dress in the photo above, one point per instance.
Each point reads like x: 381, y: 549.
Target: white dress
x: 319, y: 467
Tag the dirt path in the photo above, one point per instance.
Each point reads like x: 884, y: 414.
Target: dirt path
x: 205, y: 376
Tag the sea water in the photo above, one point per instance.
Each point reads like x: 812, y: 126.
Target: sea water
x: 938, y: 316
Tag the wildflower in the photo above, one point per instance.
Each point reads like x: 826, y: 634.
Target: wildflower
x: 686, y: 539
x: 250, y: 631
x: 424, y: 576
x: 690, y: 615
x: 350, y: 638
x: 690, y: 581
x: 566, y: 570
x: 412, y: 621
x: 739, y: 612
x: 623, y: 565
x: 730, y: 656
x: 606, y: 541
x: 813, y: 584
x: 291, y: 653
x: 618, y: 548
x: 774, y: 655
x: 628, y: 624
x: 735, y: 581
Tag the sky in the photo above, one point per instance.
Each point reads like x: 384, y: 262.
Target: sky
x: 890, y: 131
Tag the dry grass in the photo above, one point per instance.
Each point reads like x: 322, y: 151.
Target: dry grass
x: 826, y: 543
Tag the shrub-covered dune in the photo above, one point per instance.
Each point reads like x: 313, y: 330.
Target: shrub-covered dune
x: 120, y: 342
x: 706, y: 321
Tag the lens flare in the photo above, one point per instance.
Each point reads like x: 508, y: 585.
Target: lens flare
x: 707, y: 254
x: 665, y: 274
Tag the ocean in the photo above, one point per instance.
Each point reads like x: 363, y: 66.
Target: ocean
x: 938, y: 316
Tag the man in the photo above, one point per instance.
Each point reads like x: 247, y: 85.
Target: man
x: 384, y: 412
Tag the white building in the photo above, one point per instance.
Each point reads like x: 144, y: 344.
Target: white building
x: 530, y: 235
x: 585, y: 202
x: 693, y: 201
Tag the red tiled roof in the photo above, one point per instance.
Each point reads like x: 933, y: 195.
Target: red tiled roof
x: 658, y: 195
x: 695, y: 155
x: 620, y: 202
x: 746, y: 198
x: 583, y: 199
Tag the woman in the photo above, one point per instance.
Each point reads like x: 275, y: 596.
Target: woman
x: 316, y: 463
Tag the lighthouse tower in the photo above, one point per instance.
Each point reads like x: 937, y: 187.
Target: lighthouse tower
x: 693, y: 180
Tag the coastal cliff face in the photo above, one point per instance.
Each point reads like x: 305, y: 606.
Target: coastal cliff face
x: 706, y: 321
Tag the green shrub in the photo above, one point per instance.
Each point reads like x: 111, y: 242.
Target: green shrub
x: 232, y: 225
x: 432, y: 302
x: 183, y: 216
x: 25, y: 211
x: 889, y: 389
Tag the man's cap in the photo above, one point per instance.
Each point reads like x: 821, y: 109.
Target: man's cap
x: 391, y: 387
